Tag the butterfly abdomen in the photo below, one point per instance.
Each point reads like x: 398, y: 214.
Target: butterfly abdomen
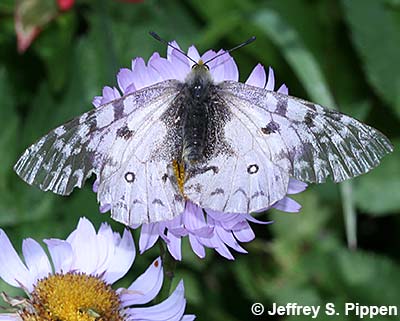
x: 194, y: 129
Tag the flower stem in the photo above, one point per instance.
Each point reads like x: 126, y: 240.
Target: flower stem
x: 349, y: 212
x: 169, y: 266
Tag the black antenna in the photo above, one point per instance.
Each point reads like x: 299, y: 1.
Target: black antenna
x: 157, y: 37
x: 248, y: 41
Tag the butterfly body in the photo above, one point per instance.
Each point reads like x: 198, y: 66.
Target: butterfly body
x: 195, y: 114
x: 225, y: 146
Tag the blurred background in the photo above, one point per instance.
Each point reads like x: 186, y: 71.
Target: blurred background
x: 340, y: 53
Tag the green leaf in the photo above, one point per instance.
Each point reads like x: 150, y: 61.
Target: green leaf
x: 376, y: 36
x: 378, y: 192
x: 55, y: 49
x: 297, y: 55
x: 303, y: 226
x: 369, y: 278
x: 9, y: 126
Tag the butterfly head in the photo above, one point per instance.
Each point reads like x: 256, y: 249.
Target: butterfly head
x: 198, y: 80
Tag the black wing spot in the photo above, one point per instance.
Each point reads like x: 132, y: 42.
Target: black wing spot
x: 129, y: 177
x: 164, y: 178
x: 257, y: 194
x: 272, y: 127
x: 252, y: 169
x: 311, y: 106
x: 125, y: 132
x: 309, y: 119
x: 118, y: 106
x: 158, y: 202
x: 281, y: 107
x: 333, y: 114
x: 217, y: 191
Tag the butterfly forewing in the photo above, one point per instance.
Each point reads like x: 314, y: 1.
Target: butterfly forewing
x: 115, y: 141
x: 317, y: 142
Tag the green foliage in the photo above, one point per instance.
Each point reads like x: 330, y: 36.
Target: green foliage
x: 377, y: 44
x: 342, y: 53
x: 378, y: 192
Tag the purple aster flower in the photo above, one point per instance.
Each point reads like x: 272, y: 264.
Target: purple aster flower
x: 204, y: 227
x: 75, y: 284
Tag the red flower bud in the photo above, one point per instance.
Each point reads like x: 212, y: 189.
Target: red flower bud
x: 65, y: 5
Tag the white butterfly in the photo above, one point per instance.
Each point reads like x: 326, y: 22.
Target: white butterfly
x: 223, y: 145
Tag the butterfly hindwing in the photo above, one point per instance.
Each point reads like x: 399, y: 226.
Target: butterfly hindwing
x: 241, y: 178
x: 134, y: 179
x: 314, y: 141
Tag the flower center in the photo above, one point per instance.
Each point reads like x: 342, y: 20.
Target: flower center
x: 73, y: 297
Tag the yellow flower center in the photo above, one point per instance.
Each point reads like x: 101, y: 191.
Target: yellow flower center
x: 72, y: 297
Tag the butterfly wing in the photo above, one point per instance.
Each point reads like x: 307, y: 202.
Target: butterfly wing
x: 101, y: 141
x: 315, y: 141
x: 284, y: 136
x: 240, y: 177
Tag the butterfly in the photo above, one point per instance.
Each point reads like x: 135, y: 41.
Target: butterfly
x: 223, y: 145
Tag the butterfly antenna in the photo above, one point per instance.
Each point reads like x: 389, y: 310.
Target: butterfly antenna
x: 157, y: 37
x: 248, y: 41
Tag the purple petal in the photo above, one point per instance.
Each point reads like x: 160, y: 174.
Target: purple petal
x: 179, y: 231
x: 245, y: 234
x: 217, y: 68
x: 170, y: 49
x: 174, y: 246
x: 296, y: 186
x: 216, y: 243
x: 163, y: 67
x: 231, y: 71
x: 207, y: 56
x: 96, y: 102
x: 194, y: 220
x: 36, y: 259
x: 283, y: 89
x: 254, y: 220
x: 176, y: 222
x: 271, y: 80
x: 287, y: 205
x: 194, y: 54
x: 171, y: 309
x: 257, y: 77
x: 12, y: 270
x: 145, y: 287
x: 95, y: 186
x: 110, y: 94
x: 143, y: 76
x: 148, y: 236
x: 125, y: 79
x: 181, y: 65
x: 197, y: 247
x: 224, y: 251
x: 228, y: 239
x: 104, y: 208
